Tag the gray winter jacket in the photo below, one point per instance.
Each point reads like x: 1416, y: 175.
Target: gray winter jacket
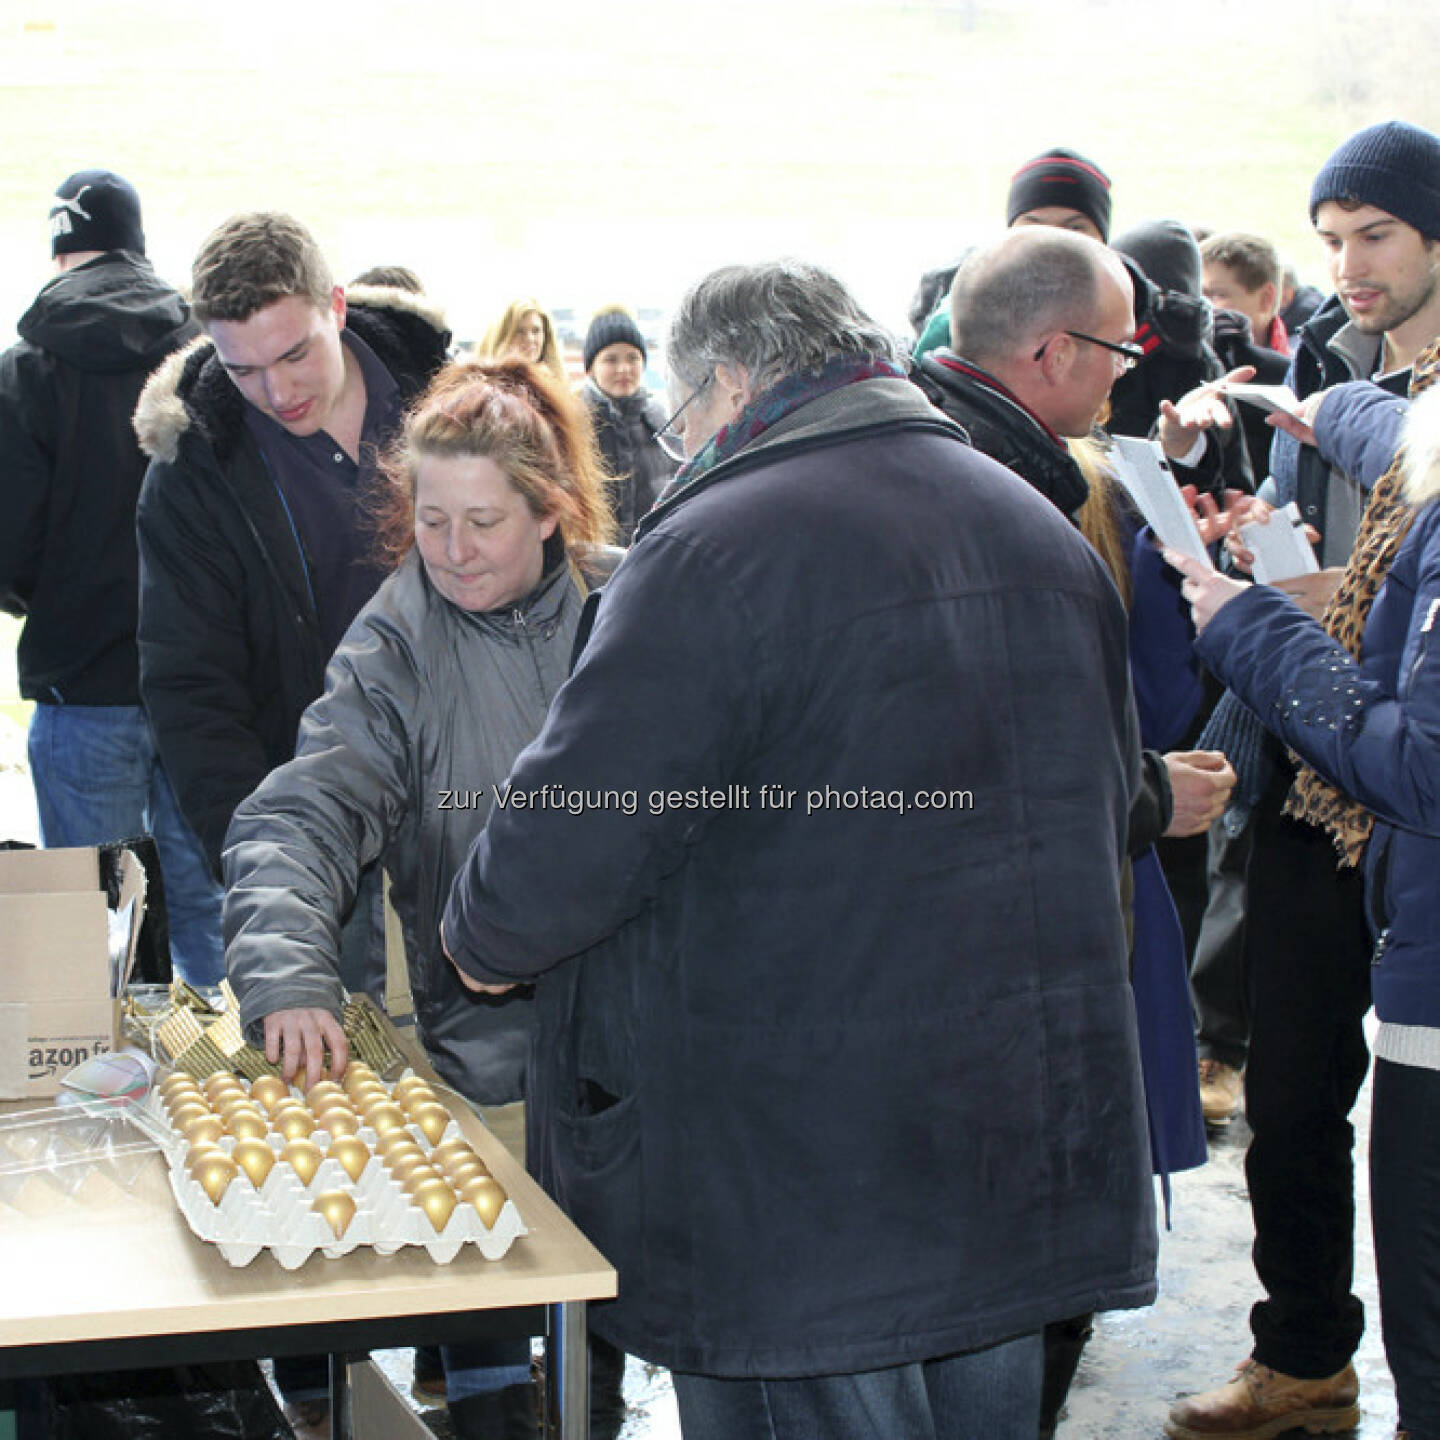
x: 424, y: 709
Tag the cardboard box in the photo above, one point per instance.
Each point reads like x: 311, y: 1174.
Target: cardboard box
x: 58, y: 981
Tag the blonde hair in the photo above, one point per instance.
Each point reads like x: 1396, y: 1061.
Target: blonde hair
x: 501, y: 334
x: 1100, y: 514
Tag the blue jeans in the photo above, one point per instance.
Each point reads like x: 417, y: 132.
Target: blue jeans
x: 993, y: 1392
x: 97, y: 778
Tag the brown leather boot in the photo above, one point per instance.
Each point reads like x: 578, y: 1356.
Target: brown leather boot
x: 1260, y: 1403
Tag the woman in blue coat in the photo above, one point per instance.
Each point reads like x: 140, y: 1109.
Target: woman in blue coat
x: 1371, y: 725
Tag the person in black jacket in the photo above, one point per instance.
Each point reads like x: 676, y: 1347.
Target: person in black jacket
x: 70, y: 474
x: 254, y: 554
x: 817, y: 1049
x: 626, y: 417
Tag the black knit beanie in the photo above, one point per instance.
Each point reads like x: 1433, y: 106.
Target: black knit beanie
x: 1395, y: 167
x: 95, y: 210
x: 614, y: 327
x: 1061, y: 177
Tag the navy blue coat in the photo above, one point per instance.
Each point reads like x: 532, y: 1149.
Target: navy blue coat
x: 1374, y: 729
x: 835, y: 1086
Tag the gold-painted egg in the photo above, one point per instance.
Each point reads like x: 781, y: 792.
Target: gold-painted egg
x: 177, y: 1086
x: 322, y: 1090
x: 357, y: 1072
x: 268, y: 1090
x: 339, y: 1121
x: 397, y: 1142
x: 255, y: 1158
x: 367, y: 1093
x: 222, y: 1082
x: 408, y: 1085
x: 433, y: 1120
x: 465, y: 1168
x: 486, y: 1196
x: 247, y: 1124
x: 384, y: 1118
x: 303, y: 1157
x: 294, y: 1124
x: 186, y: 1111
x: 409, y: 1170
x: 437, y: 1200
x: 200, y: 1151
x: 456, y: 1145
x: 304, y: 1081
x: 338, y: 1208
x: 352, y: 1153
x: 215, y: 1172
x: 203, y: 1127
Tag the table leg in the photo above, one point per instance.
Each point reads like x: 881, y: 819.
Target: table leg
x: 567, y: 1373
x: 339, y: 1397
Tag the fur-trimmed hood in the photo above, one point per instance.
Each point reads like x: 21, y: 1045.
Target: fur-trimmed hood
x: 407, y: 333
x: 1422, y: 442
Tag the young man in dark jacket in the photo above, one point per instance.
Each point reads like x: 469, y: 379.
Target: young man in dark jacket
x: 70, y: 474
x: 255, y: 552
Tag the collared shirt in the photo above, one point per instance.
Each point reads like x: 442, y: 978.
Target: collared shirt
x: 324, y: 489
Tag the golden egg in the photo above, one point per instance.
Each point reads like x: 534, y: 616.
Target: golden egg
x: 357, y: 1072
x: 409, y: 1085
x: 465, y: 1168
x: 303, y: 1157
x: 437, y: 1200
x: 353, y: 1154
x: 269, y: 1090
x: 246, y: 1125
x: 304, y: 1081
x: 433, y: 1120
x: 255, y: 1158
x: 323, y: 1090
x: 222, y: 1082
x: 294, y: 1124
x: 339, y: 1121
x: 200, y: 1151
x: 215, y: 1172
x: 203, y: 1127
x: 368, y: 1092
x: 486, y: 1196
x: 186, y: 1111
x: 456, y: 1145
x: 177, y: 1086
x: 338, y: 1208
x: 384, y: 1118
x: 409, y: 1170
x: 333, y: 1102
x: 228, y: 1103
x: 404, y: 1159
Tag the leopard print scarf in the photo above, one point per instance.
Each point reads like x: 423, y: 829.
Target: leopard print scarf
x: 1383, y: 528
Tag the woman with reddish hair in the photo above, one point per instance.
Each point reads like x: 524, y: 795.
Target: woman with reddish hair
x: 495, y: 515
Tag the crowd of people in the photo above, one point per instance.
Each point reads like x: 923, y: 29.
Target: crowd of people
x: 938, y: 855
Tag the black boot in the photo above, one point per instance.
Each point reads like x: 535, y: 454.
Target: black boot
x: 508, y: 1414
x: 1065, y: 1342
x: 607, y: 1389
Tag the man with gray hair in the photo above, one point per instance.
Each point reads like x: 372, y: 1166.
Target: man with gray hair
x: 836, y: 1051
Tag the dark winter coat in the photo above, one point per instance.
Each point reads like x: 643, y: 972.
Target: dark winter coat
x: 638, y: 468
x: 850, y: 1088
x: 70, y: 474
x: 230, y: 650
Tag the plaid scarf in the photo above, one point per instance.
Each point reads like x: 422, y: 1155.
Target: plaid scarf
x: 1382, y: 530
x: 772, y: 405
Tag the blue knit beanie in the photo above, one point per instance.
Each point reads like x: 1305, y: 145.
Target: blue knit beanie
x: 1395, y: 167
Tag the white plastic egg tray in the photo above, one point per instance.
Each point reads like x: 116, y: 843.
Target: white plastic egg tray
x: 283, y: 1214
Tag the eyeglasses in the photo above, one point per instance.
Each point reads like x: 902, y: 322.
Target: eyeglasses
x: 667, y: 438
x: 1132, y: 353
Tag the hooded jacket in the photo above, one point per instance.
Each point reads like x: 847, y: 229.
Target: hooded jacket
x: 425, y: 707
x: 818, y: 1075
x: 70, y: 473
x: 230, y: 651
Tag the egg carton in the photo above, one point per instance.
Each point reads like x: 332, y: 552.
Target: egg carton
x: 281, y: 1215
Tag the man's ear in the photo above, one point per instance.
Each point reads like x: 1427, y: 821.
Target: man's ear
x: 1269, y: 302
x: 1058, y: 357
x: 732, y: 385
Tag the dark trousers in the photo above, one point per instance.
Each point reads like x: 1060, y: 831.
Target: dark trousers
x: 1307, y: 951
x: 1404, y: 1183
x: 1217, y: 970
